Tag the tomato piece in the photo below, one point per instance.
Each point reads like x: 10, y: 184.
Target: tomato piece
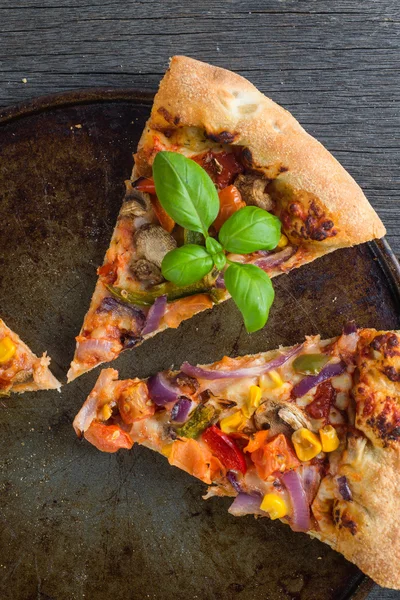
x: 222, y: 167
x: 163, y: 217
x: 145, y: 185
x: 194, y: 458
x: 108, y: 272
x: 324, y: 398
x: 225, y: 449
x: 230, y: 201
x: 108, y: 438
x: 185, y: 308
x: 257, y: 441
x: 276, y: 455
x: 134, y: 403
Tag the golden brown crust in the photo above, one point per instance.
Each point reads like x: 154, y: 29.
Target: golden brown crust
x: 231, y: 110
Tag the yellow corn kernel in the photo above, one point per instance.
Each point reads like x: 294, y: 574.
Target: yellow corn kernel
x: 233, y: 422
x: 255, y: 396
x: 106, y: 412
x: 167, y: 449
x: 306, y: 444
x: 283, y: 241
x: 271, y: 380
x: 329, y: 438
x: 7, y: 349
x: 275, y: 506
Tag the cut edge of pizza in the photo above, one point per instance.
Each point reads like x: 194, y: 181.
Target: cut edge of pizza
x: 20, y: 369
x: 309, y: 435
x: 257, y: 154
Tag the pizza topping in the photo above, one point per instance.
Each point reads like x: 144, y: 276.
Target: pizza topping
x: 275, y: 455
x: 246, y: 504
x: 200, y: 419
x: 7, y: 349
x: 136, y: 203
x: 180, y: 410
x: 276, y: 259
x: 230, y: 201
x: 133, y: 403
x: 310, y: 364
x: 144, y: 184
x: 310, y: 381
x: 253, y: 190
x: 387, y: 344
x: 323, y: 400
x: 306, y: 444
x: 146, y: 272
x: 275, y: 506
x: 222, y: 167
x: 280, y: 417
x: 188, y: 385
x: 329, y: 438
x: 344, y: 490
x: 233, y: 422
x: 153, y: 243
x: 300, y: 513
x: 108, y: 438
x: 161, y: 389
x: 225, y: 449
x: 155, y: 315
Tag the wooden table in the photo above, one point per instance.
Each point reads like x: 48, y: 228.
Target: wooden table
x: 334, y: 64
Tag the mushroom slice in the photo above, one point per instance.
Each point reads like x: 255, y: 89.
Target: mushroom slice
x: 252, y: 188
x: 146, y: 271
x: 136, y: 203
x: 280, y: 417
x: 153, y: 243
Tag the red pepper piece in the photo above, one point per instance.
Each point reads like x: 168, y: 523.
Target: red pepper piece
x: 145, y: 185
x: 225, y: 449
x: 324, y: 398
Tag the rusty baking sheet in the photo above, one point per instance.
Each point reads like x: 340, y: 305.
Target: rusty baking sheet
x: 76, y: 523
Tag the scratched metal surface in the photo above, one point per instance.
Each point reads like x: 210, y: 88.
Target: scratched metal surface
x: 76, y: 523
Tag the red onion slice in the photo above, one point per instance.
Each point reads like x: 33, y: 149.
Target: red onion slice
x: 300, y: 517
x: 155, y: 315
x: 89, y: 349
x: 233, y: 480
x: 201, y: 373
x: 161, y: 391
x: 344, y: 489
x: 275, y: 260
x: 244, y: 504
x: 181, y: 410
x: 307, y: 383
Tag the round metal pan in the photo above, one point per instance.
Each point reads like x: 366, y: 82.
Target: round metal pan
x: 76, y: 523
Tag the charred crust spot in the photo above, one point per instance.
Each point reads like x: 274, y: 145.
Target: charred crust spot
x: 283, y: 169
x: 166, y: 114
x: 347, y: 522
x: 247, y: 157
x: 327, y: 225
x: 187, y: 384
x: 336, y: 516
x: 223, y: 137
x: 387, y: 344
x: 387, y: 424
x: 177, y: 120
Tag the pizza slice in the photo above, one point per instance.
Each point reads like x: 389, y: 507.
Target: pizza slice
x: 309, y: 435
x: 20, y: 369
x: 258, y: 155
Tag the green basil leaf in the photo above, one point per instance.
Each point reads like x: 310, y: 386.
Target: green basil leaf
x: 252, y: 292
x: 186, y: 265
x: 219, y: 260
x: 250, y: 229
x: 185, y: 191
x: 213, y: 246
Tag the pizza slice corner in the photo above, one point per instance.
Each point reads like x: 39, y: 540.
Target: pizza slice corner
x: 20, y: 369
x: 257, y: 155
x: 309, y: 435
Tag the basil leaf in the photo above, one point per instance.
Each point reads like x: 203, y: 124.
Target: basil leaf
x: 186, y: 265
x: 185, y: 191
x: 252, y: 292
x: 213, y: 246
x: 250, y: 229
x: 219, y: 260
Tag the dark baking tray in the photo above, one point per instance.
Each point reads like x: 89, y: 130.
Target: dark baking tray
x: 76, y: 523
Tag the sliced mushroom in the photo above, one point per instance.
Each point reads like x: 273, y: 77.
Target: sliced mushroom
x: 153, y: 243
x: 136, y: 203
x: 280, y: 417
x: 146, y: 271
x: 252, y: 188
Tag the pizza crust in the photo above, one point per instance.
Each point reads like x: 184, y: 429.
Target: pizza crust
x: 230, y: 110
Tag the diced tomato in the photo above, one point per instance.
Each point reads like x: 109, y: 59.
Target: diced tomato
x: 195, y: 458
x: 163, y: 217
x: 222, y: 167
x: 257, y: 441
x: 276, y: 455
x: 230, y: 201
x: 185, y: 308
x: 225, y: 449
x: 108, y: 438
x: 108, y: 272
x: 145, y: 185
x: 134, y: 403
x: 324, y: 398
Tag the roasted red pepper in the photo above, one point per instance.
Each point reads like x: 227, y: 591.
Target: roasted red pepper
x: 324, y: 398
x: 230, y: 201
x: 221, y: 166
x: 145, y: 185
x: 108, y: 438
x: 225, y: 449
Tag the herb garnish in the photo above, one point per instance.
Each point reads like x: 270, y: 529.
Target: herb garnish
x: 188, y: 195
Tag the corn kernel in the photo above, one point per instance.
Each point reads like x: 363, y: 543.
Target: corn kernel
x: 283, y: 241
x: 167, y: 449
x: 106, y: 412
x: 306, y: 444
x: 233, y: 422
x: 255, y: 396
x: 329, y: 438
x: 271, y: 380
x: 7, y: 349
x: 275, y: 506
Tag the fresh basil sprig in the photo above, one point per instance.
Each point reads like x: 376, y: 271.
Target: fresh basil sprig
x: 188, y: 195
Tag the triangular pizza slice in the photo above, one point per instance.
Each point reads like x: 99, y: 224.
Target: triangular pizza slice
x: 257, y: 154
x: 20, y: 369
x: 309, y: 435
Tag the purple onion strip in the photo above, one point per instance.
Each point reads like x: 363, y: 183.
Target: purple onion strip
x: 245, y: 504
x: 275, y: 260
x: 300, y: 516
x: 307, y: 383
x: 155, y: 315
x: 344, y: 489
x: 161, y: 391
x: 181, y: 410
x: 233, y: 480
